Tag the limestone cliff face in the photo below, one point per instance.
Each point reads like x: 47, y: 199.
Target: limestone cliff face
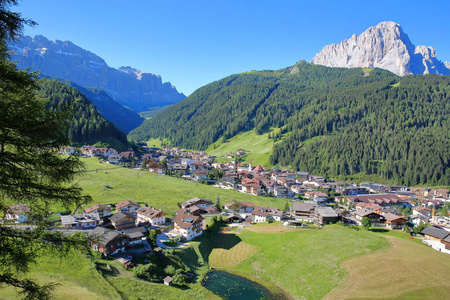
x: 128, y: 86
x: 384, y: 46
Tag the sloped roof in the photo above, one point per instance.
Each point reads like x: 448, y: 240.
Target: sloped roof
x: 103, y: 235
x: 19, y: 209
x: 266, y: 211
x: 391, y: 217
x: 194, y: 200
x: 436, y: 232
x: 447, y: 239
x: 376, y: 198
x: 134, y: 232
x: 186, y: 221
x: 364, y: 212
x: 96, y: 206
x: 150, y: 212
x: 300, y: 206
x: 125, y: 203
x: 327, y: 212
x: 119, y: 216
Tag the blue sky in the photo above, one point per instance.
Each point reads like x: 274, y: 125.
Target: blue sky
x: 192, y: 43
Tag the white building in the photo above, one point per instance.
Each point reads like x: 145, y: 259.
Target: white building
x: 188, y: 226
x: 18, y: 213
x: 80, y: 221
x: 151, y: 215
x: 260, y: 214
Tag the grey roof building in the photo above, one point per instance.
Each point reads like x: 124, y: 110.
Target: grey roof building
x: 86, y: 220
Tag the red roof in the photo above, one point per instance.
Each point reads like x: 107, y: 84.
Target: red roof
x: 186, y: 221
x: 125, y: 203
x: 258, y: 169
x: 96, y: 206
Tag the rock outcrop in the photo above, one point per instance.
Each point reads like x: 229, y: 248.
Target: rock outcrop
x: 384, y: 46
x: 130, y: 87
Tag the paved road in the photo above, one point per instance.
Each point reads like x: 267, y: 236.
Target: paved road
x: 163, y: 237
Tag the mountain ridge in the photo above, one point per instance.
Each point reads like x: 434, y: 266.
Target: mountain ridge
x: 86, y: 125
x: 63, y: 59
x: 122, y: 117
x: 384, y: 46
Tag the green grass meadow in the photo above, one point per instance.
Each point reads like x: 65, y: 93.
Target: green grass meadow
x: 258, y: 147
x: 162, y: 192
x: 305, y: 264
x: 75, y: 275
x: 334, y: 262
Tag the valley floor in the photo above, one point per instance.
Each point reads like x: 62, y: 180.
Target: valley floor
x: 331, y: 263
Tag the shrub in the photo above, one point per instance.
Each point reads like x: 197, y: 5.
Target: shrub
x: 170, y: 270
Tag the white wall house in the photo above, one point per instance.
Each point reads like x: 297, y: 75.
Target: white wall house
x: 151, y: 215
x: 18, y: 213
x: 188, y: 226
x: 260, y: 214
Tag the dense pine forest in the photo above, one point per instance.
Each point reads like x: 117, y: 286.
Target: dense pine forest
x: 86, y: 125
x: 122, y: 117
x: 330, y: 121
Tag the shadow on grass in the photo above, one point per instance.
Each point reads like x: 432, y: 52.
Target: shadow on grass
x: 107, y: 270
x: 227, y: 241
x: 196, y: 257
x: 379, y: 230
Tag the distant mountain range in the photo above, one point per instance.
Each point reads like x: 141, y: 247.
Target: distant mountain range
x: 130, y: 87
x: 383, y: 46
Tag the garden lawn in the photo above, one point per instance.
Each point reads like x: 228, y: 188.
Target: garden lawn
x: 162, y: 192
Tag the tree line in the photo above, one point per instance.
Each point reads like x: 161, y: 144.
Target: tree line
x: 85, y: 125
x: 331, y: 121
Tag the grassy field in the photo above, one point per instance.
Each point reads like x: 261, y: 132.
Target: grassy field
x: 157, y: 143
x: 305, y: 263
x: 258, y: 147
x: 77, y: 279
x: 163, y: 192
x: 331, y: 263
x: 229, y: 250
x: 75, y: 275
x: 404, y: 270
x: 335, y: 263
x: 132, y: 289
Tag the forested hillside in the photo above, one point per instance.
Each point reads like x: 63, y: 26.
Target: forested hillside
x: 333, y: 121
x: 123, y: 118
x: 87, y: 125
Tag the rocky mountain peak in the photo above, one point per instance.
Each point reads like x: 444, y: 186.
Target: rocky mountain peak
x: 426, y: 51
x: 130, y: 70
x: 63, y: 59
x: 383, y: 46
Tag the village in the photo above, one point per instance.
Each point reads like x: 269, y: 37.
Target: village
x: 310, y: 201
x: 131, y: 233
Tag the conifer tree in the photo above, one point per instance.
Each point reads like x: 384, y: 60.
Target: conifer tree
x: 31, y: 171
